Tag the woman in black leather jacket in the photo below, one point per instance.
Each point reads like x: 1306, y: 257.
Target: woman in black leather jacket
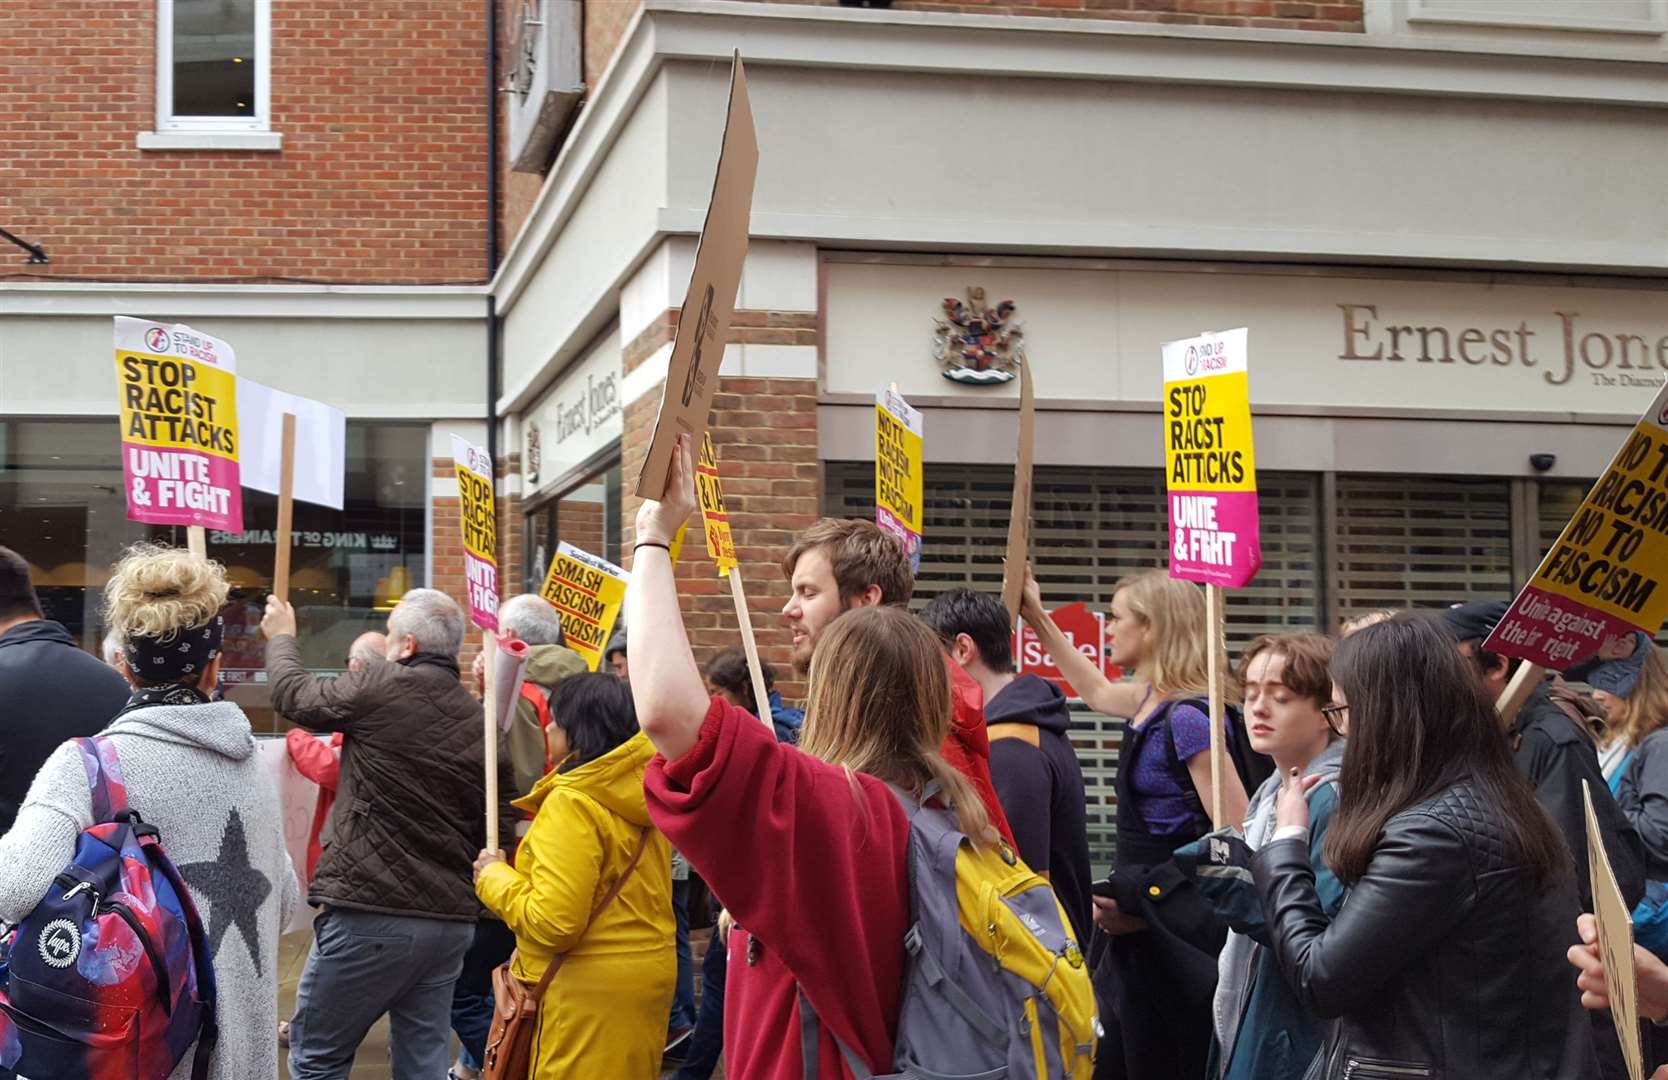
x: 1447, y: 958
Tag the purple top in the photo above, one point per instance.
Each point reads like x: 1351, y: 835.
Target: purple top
x: 1159, y: 799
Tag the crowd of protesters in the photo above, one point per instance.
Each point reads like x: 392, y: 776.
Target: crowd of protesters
x: 1395, y: 889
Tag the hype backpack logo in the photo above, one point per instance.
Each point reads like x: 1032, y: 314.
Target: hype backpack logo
x: 110, y: 977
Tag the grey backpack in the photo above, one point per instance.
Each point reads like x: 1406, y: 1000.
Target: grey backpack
x: 995, y: 987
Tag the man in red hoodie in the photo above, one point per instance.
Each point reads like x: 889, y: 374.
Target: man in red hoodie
x: 837, y: 565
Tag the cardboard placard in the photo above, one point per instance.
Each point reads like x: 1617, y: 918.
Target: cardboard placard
x: 898, y: 483
x: 177, y: 394
x: 298, y: 799
x: 721, y: 545
x: 478, y: 516
x: 1019, y: 521
x: 1615, y: 941
x: 704, y: 323
x: 1607, y: 575
x: 1210, y: 465
x: 588, y: 592
x: 320, y: 440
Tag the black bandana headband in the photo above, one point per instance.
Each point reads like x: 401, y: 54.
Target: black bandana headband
x: 177, y: 655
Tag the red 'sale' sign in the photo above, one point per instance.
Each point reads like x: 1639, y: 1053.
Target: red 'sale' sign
x: 1085, y: 629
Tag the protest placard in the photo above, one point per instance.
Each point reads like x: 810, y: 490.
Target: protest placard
x: 1019, y: 521
x: 898, y: 490
x: 1604, y: 577
x: 704, y: 321
x: 479, y: 518
x: 588, y: 592
x: 320, y: 466
x: 721, y: 544
x: 298, y: 798
x: 1209, y: 462
x: 1085, y: 630
x: 1615, y: 939
x: 177, y: 392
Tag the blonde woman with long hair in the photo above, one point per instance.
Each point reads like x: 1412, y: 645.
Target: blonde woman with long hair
x: 806, y: 846
x: 190, y: 771
x: 1155, y: 959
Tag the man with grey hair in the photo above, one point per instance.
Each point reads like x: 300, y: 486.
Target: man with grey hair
x: 532, y: 619
x: 394, y: 881
x: 368, y: 648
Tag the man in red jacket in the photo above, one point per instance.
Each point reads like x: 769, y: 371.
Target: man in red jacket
x: 837, y: 565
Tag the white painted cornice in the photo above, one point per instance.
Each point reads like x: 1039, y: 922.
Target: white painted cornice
x: 991, y: 46
x: 184, y: 300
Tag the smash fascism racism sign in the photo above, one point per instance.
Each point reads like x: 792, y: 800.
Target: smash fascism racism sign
x: 177, y: 390
x: 480, y: 531
x: 588, y: 592
x: 1209, y: 465
x: 898, y: 490
x: 721, y: 545
x: 1604, y: 577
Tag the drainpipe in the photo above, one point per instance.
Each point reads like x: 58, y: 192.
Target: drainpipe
x: 492, y: 253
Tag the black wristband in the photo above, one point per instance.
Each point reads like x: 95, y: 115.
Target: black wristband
x: 667, y: 548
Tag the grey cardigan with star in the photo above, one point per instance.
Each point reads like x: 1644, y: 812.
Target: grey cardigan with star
x: 190, y: 770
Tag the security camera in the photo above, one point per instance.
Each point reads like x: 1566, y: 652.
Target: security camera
x: 1543, y: 462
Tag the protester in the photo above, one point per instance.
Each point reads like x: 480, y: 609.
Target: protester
x: 1555, y: 749
x: 1262, y: 1031
x: 1155, y: 963
x: 605, y: 1010
x: 1447, y: 959
x: 1613, y: 674
x: 190, y: 770
x: 1635, y: 692
x: 614, y: 655
x: 840, y: 566
x: 533, y: 620
x: 1364, y: 620
x: 805, y: 845
x: 1651, y: 988
x: 1032, y: 762
x: 50, y: 690
x: 110, y: 649
x: 729, y: 677
x: 393, y: 883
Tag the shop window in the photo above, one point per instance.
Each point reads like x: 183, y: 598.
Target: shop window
x: 62, y: 508
x: 586, y: 515
x: 213, y: 75
x: 1092, y: 528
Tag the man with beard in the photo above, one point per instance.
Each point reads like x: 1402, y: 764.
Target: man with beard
x: 836, y: 566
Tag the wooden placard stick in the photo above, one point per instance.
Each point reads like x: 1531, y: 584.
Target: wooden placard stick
x: 286, y: 508
x: 745, y: 621
x: 1019, y: 521
x: 1213, y: 648
x: 1524, y: 680
x: 489, y: 709
x: 196, y: 541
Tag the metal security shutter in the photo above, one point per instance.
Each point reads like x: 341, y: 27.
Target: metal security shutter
x: 1092, y: 527
x: 1421, y: 542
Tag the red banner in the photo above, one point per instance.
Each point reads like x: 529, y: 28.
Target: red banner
x: 1085, y: 629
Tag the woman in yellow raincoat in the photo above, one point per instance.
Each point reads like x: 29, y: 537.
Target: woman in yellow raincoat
x: 605, y: 1012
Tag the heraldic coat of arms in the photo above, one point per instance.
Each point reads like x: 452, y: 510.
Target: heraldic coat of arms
x: 977, y: 344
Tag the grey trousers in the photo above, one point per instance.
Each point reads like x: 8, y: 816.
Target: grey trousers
x: 363, y: 965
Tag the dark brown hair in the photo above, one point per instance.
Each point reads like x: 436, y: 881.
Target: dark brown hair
x: 729, y: 671
x: 860, y: 554
x: 1307, y: 656
x: 1419, y: 723
x: 17, y: 591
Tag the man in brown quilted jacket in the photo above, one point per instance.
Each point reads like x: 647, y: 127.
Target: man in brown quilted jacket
x: 393, y: 882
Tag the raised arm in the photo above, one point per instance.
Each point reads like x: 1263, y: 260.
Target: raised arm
x: 666, y: 685
x: 1097, y: 691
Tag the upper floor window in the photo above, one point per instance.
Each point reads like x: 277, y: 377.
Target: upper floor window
x: 213, y: 65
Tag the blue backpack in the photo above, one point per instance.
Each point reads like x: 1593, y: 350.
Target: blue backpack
x: 110, y: 977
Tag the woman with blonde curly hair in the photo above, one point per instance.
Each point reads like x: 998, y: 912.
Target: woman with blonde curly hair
x: 189, y: 768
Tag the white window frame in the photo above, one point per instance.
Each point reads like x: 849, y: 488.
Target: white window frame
x: 167, y: 122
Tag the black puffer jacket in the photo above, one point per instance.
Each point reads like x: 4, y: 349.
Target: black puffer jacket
x: 1443, y: 962
x: 410, y: 807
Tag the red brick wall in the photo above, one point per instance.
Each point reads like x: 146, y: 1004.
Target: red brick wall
x: 1342, y: 15
x: 382, y: 176
x: 605, y: 27
x: 765, y: 435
